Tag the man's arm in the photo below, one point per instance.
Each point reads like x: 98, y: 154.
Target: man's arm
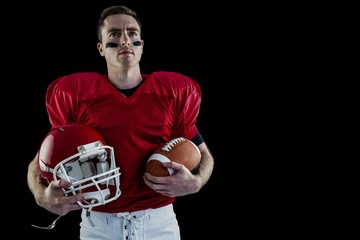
x: 50, y: 196
x: 183, y: 182
x: 206, y: 165
x: 35, y: 182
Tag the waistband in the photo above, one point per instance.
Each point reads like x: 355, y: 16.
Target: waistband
x: 139, y: 212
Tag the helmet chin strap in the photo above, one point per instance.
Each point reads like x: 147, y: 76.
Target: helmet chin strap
x: 88, y: 216
x: 95, y: 197
x: 51, y: 226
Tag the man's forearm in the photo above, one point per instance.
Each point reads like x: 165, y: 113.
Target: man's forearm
x: 34, y: 179
x: 206, y: 165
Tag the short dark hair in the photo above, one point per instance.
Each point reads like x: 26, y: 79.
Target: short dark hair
x: 113, y: 10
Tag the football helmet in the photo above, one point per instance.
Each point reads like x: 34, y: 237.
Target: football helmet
x: 78, y: 153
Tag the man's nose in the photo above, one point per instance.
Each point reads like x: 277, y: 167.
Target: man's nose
x: 125, y: 41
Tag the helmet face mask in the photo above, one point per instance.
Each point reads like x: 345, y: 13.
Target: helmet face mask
x: 78, y: 154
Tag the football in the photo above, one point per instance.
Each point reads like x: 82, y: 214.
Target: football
x: 179, y: 150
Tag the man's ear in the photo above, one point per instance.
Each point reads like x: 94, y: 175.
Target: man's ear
x: 100, y: 48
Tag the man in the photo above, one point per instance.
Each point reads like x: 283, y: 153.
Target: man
x: 134, y: 113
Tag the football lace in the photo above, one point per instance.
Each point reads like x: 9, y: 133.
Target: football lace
x: 172, y: 143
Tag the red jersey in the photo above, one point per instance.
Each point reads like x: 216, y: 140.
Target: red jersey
x: 164, y: 106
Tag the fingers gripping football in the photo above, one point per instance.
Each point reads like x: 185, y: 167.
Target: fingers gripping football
x: 179, y: 150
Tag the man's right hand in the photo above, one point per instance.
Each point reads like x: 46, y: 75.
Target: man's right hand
x: 54, y: 200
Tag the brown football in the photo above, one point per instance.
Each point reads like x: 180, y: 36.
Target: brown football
x: 179, y: 150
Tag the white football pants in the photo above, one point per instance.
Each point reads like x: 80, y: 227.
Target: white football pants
x: 150, y: 224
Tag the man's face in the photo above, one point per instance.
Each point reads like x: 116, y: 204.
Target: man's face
x: 121, y: 43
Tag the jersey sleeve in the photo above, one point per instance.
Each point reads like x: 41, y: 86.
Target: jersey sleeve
x: 188, y: 109
x: 59, y: 102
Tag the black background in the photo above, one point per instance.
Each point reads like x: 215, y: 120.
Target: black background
x: 252, y: 62
x: 59, y: 37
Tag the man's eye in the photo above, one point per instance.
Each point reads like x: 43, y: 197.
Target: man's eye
x: 113, y: 34
x: 133, y: 33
